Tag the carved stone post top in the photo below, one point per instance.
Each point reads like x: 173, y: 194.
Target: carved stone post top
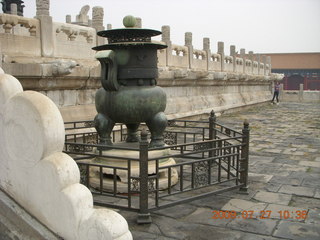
x: 82, y: 18
x: 242, y: 52
x: 165, y: 33
x: 268, y: 60
x: 43, y: 7
x: 97, y: 12
x: 14, y: 8
x: 232, y: 50
x: 221, y: 48
x: 97, y: 16
x: 68, y: 18
x: 84, y: 10
x: 250, y: 55
x: 206, y: 44
x: 188, y: 39
x: 138, y: 22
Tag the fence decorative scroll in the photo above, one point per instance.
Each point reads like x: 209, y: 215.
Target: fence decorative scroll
x: 201, y: 173
x: 135, y: 185
x: 170, y: 138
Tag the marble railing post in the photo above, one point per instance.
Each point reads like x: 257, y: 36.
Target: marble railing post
x: 258, y: 58
x: 221, y: 52
x: 14, y: 9
x: 206, y: 48
x: 264, y: 61
x: 243, y: 56
x: 233, y: 55
x: 281, y: 95
x: 188, y: 43
x: 243, y: 53
x: 68, y: 19
x: 251, y: 58
x: 97, y: 22
x: 46, y: 28
x: 165, y: 37
x: 269, y: 63
x: 300, y: 94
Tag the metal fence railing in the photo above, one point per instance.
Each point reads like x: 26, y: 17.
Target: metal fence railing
x: 200, y: 158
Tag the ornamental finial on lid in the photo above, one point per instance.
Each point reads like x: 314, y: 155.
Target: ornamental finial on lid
x: 129, y: 21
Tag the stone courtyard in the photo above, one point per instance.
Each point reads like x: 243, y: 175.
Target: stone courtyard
x: 284, y: 176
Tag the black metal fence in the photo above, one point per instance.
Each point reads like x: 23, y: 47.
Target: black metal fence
x: 201, y: 158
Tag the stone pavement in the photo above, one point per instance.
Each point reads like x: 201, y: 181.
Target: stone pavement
x: 284, y: 184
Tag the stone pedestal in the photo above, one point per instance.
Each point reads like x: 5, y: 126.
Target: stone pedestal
x: 113, y: 160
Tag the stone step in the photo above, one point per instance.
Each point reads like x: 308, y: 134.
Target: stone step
x: 16, y: 223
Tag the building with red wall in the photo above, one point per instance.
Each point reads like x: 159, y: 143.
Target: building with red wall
x: 298, y: 68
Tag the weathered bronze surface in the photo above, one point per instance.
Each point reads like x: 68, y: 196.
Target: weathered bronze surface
x: 129, y: 93
x: 6, y: 6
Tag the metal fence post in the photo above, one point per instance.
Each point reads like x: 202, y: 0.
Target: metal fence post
x: 244, y: 163
x: 144, y: 215
x: 212, y: 131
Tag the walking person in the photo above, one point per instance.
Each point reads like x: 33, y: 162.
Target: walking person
x: 276, y: 92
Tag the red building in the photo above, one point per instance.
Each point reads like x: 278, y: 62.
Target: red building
x: 298, y: 68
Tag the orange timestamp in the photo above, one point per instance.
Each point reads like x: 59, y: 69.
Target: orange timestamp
x: 265, y: 214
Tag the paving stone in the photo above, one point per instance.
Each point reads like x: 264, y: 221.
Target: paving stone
x: 145, y: 235
x: 272, y: 150
x: 207, y: 216
x: 310, y: 163
x: 261, y: 226
x: 317, y: 193
x: 131, y: 218
x: 270, y: 197
x: 296, y: 158
x: 289, y: 167
x: 266, y: 168
x: 311, y: 182
x: 289, y: 150
x: 256, y: 177
x: 185, y: 230
x: 240, y: 205
x: 300, y: 191
x: 305, y: 202
x: 254, y: 158
x: 287, y: 180
x: 298, y: 153
x: 272, y: 187
x: 297, y: 231
x: 215, y: 202
x: 300, y: 145
x: 255, y: 149
x: 177, y: 211
x: 240, y: 195
x: 311, y: 150
x: 285, y: 160
x: 313, y: 216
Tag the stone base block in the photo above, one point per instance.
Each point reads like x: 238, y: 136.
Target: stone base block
x: 116, y: 158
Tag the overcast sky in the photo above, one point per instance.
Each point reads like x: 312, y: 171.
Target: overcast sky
x: 262, y: 26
